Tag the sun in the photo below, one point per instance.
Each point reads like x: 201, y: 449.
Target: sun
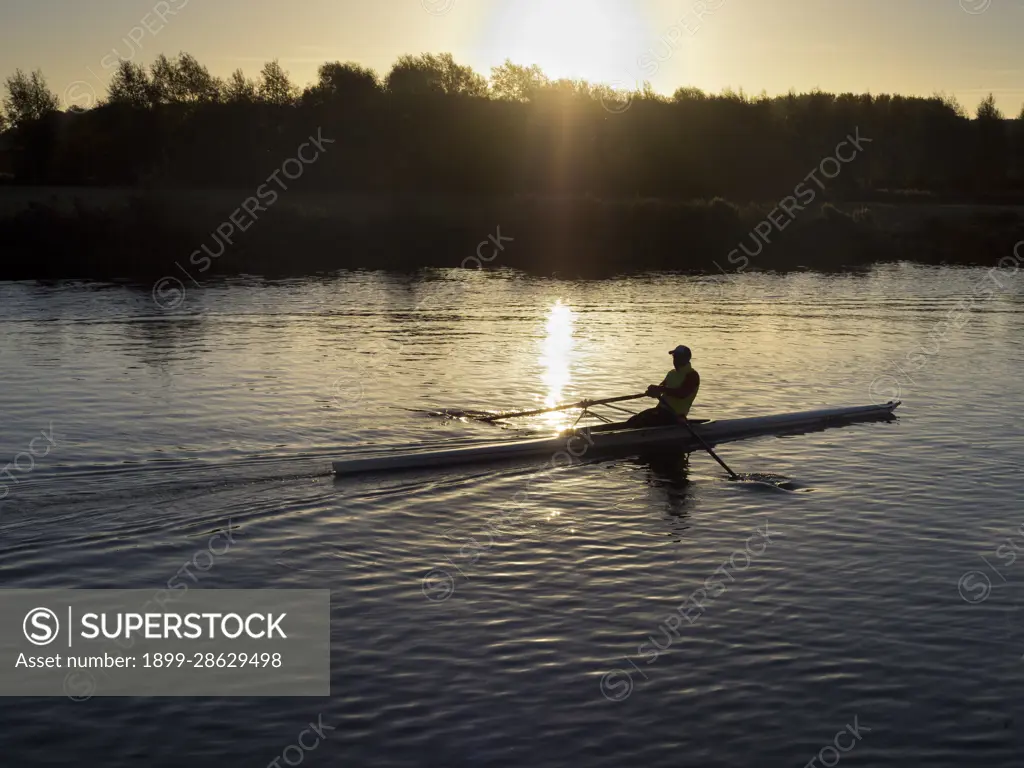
x: 595, y: 40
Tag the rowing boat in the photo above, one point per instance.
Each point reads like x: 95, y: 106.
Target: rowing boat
x: 615, y: 439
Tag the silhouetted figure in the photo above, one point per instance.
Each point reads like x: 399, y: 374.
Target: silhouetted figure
x: 675, y: 394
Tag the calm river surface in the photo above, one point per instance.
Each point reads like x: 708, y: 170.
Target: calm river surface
x: 857, y: 609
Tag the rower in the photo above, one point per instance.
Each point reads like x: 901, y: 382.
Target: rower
x: 675, y: 394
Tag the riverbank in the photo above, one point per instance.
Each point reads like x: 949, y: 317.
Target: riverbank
x: 75, y: 233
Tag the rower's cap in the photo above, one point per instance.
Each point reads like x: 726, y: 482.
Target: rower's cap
x: 683, y: 350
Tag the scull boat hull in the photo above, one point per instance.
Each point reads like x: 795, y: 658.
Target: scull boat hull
x: 616, y: 439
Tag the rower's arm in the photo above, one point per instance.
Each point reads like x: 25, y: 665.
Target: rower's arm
x: 690, y: 385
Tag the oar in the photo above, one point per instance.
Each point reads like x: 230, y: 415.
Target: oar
x: 699, y: 439
x: 570, y: 406
x: 707, y: 448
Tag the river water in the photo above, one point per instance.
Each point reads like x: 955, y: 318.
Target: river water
x: 857, y: 603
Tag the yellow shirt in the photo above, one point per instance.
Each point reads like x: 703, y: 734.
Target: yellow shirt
x: 675, y: 379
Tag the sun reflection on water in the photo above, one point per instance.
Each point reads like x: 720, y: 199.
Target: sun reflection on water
x: 554, y: 360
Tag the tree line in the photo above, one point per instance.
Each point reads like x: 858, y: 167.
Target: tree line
x: 432, y: 126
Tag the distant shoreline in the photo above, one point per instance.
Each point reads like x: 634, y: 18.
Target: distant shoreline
x: 68, y: 232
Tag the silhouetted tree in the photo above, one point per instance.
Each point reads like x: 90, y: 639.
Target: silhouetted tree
x: 429, y: 73
x: 987, y: 109
x: 953, y: 104
x: 436, y: 126
x: 517, y: 83
x: 184, y: 81
x: 1017, y: 152
x: 689, y: 93
x: 275, y: 86
x: 340, y: 83
x: 239, y: 89
x: 130, y: 86
x: 32, y: 111
x: 566, y: 88
x: 28, y: 98
x: 990, y: 146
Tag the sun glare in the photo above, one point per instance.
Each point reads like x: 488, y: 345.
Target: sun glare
x: 595, y: 40
x: 556, y: 350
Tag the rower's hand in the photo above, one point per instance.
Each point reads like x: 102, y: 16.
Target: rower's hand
x: 654, y: 391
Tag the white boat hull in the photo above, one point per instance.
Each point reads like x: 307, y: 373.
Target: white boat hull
x: 588, y: 443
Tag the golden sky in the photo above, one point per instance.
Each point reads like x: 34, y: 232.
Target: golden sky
x: 961, y: 47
